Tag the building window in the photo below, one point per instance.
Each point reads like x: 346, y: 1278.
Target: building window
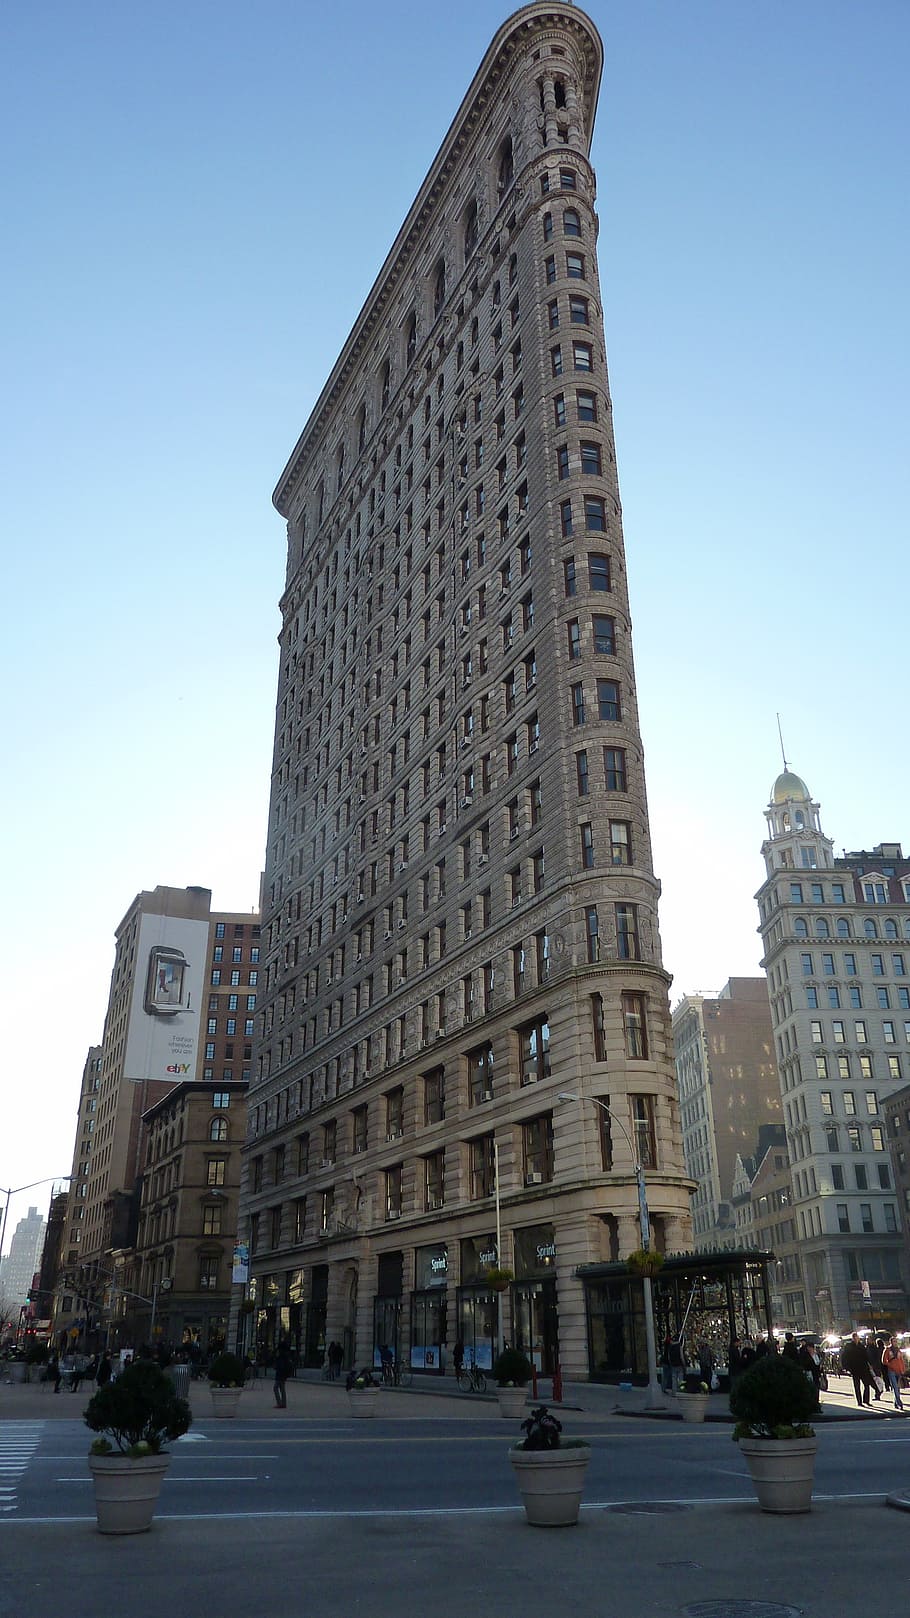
x: 327, y: 1210
x: 635, y: 1025
x: 208, y: 1273
x: 218, y: 1129
x: 434, y: 1107
x: 359, y: 1120
x: 221, y: 1098
x: 216, y: 1170
x: 394, y: 1114
x: 578, y: 312
x: 571, y: 223
x: 604, y: 1122
x: 480, y: 1074
x: 534, y: 1050
x: 615, y: 769
x: 434, y: 1181
x: 211, y: 1220
x: 599, y: 573
x: 393, y: 1192
x: 608, y: 700
x: 604, y: 635
x: 483, y: 1169
x: 592, y: 933
x: 537, y: 1149
x: 626, y: 932
x: 643, y: 1132
x: 620, y: 842
x: 329, y: 1143
x: 586, y: 834
x: 581, y: 773
x: 578, y: 704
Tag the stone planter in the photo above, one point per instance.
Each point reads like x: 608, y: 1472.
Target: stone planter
x: 551, y: 1483
x: 126, y: 1491
x: 692, y: 1406
x: 782, y: 1471
x: 15, y: 1371
x: 363, y: 1402
x: 225, y: 1402
x: 512, y: 1402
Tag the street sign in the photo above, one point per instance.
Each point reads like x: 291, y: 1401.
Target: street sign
x: 866, y: 1291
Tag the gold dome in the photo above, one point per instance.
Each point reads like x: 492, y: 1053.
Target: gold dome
x: 790, y: 786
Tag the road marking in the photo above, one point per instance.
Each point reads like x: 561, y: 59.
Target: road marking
x: 231, y: 1478
x: 18, y: 1442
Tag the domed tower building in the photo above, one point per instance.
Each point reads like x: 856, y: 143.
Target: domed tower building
x: 836, y: 941
x: 462, y: 952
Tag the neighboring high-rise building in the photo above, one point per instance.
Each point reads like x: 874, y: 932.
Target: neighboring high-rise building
x: 773, y: 1228
x: 836, y: 935
x: 181, y: 1007
x: 69, y: 1308
x: 174, y: 1285
x: 460, y: 905
x: 23, y: 1259
x: 728, y: 1090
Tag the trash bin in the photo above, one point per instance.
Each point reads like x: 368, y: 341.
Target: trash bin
x: 180, y: 1376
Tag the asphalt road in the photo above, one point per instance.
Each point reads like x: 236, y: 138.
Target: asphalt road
x: 415, y: 1464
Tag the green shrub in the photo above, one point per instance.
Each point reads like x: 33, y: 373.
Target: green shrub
x: 226, y: 1371
x: 140, y: 1410
x: 772, y: 1399
x: 512, y: 1368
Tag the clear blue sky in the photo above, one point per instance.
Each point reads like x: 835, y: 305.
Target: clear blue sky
x: 197, y: 199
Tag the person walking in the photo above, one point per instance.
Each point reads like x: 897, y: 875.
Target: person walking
x: 855, y: 1362
x: 284, y: 1365
x: 707, y: 1360
x: 873, y: 1349
x: 103, y: 1373
x: 790, y: 1350
x: 895, y: 1367
x: 808, y: 1360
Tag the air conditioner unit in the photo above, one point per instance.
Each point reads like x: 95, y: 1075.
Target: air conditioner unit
x: 359, y: 956
x: 534, y: 1178
x: 394, y: 1213
x: 440, y: 1033
x: 402, y: 924
x: 441, y: 832
x: 513, y: 835
x: 360, y: 898
x: 402, y: 982
x: 466, y: 801
x: 533, y: 746
x: 402, y: 867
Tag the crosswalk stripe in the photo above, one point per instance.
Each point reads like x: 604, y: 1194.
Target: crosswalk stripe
x: 18, y: 1442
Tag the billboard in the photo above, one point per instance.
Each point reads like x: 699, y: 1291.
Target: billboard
x: 163, y: 1036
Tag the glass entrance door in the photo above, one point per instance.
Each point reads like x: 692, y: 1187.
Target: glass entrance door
x: 537, y: 1323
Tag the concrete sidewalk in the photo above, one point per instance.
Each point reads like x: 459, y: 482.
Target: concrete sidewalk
x: 645, y: 1562
x: 309, y: 1394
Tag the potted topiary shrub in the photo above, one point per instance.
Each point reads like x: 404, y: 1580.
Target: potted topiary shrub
x: 363, y: 1393
x: 226, y: 1385
x: 136, y: 1416
x: 513, y: 1371
x: 550, y: 1470
x: 693, y: 1401
x: 772, y: 1401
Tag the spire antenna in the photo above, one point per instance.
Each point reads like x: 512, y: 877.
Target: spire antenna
x: 782, y: 751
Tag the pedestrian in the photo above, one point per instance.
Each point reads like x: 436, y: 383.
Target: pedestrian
x: 284, y: 1365
x: 735, y: 1358
x: 790, y: 1350
x: 809, y: 1360
x: 895, y: 1367
x: 747, y: 1355
x: 103, y: 1373
x: 458, y: 1357
x: 336, y: 1358
x: 54, y: 1372
x: 706, y: 1362
x: 855, y: 1362
x: 873, y: 1349
x: 666, y: 1369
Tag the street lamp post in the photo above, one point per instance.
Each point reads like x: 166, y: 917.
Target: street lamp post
x: 654, y: 1399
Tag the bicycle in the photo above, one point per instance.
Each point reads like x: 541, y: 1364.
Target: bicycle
x: 396, y: 1375
x: 471, y: 1379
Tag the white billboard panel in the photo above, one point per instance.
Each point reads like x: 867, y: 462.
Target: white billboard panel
x: 163, y: 1036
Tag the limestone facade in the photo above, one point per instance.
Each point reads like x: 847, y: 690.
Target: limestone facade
x: 460, y: 910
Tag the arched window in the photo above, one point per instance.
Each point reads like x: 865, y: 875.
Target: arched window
x: 890, y: 929
x: 513, y: 269
x: 869, y: 928
x: 571, y: 222
x: 800, y: 928
x: 218, y: 1129
x: 411, y: 340
x: 843, y: 927
x: 439, y: 289
x: 470, y: 231
x: 559, y: 91
x: 506, y: 173
x: 822, y: 930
